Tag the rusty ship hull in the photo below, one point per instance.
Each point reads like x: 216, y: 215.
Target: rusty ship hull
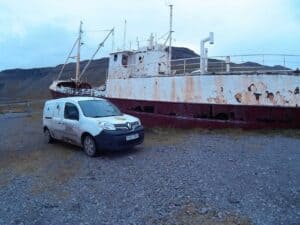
x: 193, y: 115
x: 210, y: 101
x: 250, y: 101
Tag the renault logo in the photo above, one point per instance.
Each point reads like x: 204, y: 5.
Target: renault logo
x: 129, y: 126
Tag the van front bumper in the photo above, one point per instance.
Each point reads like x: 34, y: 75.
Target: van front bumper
x: 115, y: 140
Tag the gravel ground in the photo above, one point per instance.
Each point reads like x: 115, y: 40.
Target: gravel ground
x: 175, y: 177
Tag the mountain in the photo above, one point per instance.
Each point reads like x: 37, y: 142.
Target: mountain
x: 34, y: 83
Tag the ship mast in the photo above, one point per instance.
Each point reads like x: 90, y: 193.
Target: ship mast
x: 78, y: 54
x: 170, y: 35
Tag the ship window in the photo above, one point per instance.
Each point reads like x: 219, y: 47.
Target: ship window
x: 125, y: 60
x: 141, y: 59
x: 115, y: 57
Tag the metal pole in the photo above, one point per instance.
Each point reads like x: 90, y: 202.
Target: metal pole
x: 206, y: 60
x: 113, y: 40
x: 137, y: 43
x: 170, y: 36
x: 78, y: 53
x: 124, y: 38
x: 202, y: 58
x: 227, y: 64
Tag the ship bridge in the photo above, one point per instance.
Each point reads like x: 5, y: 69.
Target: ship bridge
x: 144, y: 62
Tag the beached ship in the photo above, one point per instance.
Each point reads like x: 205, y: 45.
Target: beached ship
x: 196, y: 92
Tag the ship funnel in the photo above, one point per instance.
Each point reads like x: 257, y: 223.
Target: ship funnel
x: 211, y: 38
x: 203, y: 52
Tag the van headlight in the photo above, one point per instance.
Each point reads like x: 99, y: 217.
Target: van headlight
x: 139, y: 122
x: 107, y: 126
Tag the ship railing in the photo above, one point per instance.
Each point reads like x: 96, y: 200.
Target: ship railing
x: 185, y: 66
x: 251, y: 63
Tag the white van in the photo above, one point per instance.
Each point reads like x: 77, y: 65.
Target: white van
x: 93, y: 123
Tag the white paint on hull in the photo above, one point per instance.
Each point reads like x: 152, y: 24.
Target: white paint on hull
x: 263, y: 89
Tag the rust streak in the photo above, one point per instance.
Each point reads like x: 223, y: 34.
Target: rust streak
x: 189, y: 88
x: 173, y: 90
x: 156, y: 90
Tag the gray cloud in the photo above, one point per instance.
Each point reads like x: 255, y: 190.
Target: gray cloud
x: 244, y: 26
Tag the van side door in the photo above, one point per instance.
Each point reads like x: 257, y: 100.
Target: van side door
x: 57, y: 122
x: 71, y: 123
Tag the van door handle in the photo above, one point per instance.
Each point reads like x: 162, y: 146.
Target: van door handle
x: 59, y: 122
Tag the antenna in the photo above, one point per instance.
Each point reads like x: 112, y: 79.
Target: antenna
x: 137, y: 43
x: 124, y: 38
x: 151, y: 38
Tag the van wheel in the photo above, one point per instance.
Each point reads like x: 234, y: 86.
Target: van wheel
x: 47, y: 136
x: 89, y: 146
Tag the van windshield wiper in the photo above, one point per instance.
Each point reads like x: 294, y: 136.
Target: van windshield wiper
x: 106, y: 115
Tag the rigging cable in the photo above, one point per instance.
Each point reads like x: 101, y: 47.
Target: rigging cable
x: 100, y: 45
x: 69, y: 56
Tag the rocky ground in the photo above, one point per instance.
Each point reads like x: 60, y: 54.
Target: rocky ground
x: 175, y: 177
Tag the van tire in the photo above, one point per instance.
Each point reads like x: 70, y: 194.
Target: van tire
x: 89, y: 146
x: 47, y: 136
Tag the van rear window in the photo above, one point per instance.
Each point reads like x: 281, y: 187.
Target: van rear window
x: 98, y: 108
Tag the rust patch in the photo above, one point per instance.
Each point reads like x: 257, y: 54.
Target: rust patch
x: 129, y: 84
x: 156, y: 90
x: 279, y: 99
x: 238, y: 97
x: 219, y: 97
x: 173, y: 90
x: 258, y: 94
x: 189, y: 88
x: 270, y: 96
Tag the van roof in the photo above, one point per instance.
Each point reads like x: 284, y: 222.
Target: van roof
x: 74, y: 99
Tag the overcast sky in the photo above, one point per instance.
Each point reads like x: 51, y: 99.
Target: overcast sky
x: 38, y: 33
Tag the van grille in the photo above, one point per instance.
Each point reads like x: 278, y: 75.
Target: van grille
x: 127, y: 126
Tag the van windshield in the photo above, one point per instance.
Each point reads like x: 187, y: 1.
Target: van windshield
x: 98, y: 108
